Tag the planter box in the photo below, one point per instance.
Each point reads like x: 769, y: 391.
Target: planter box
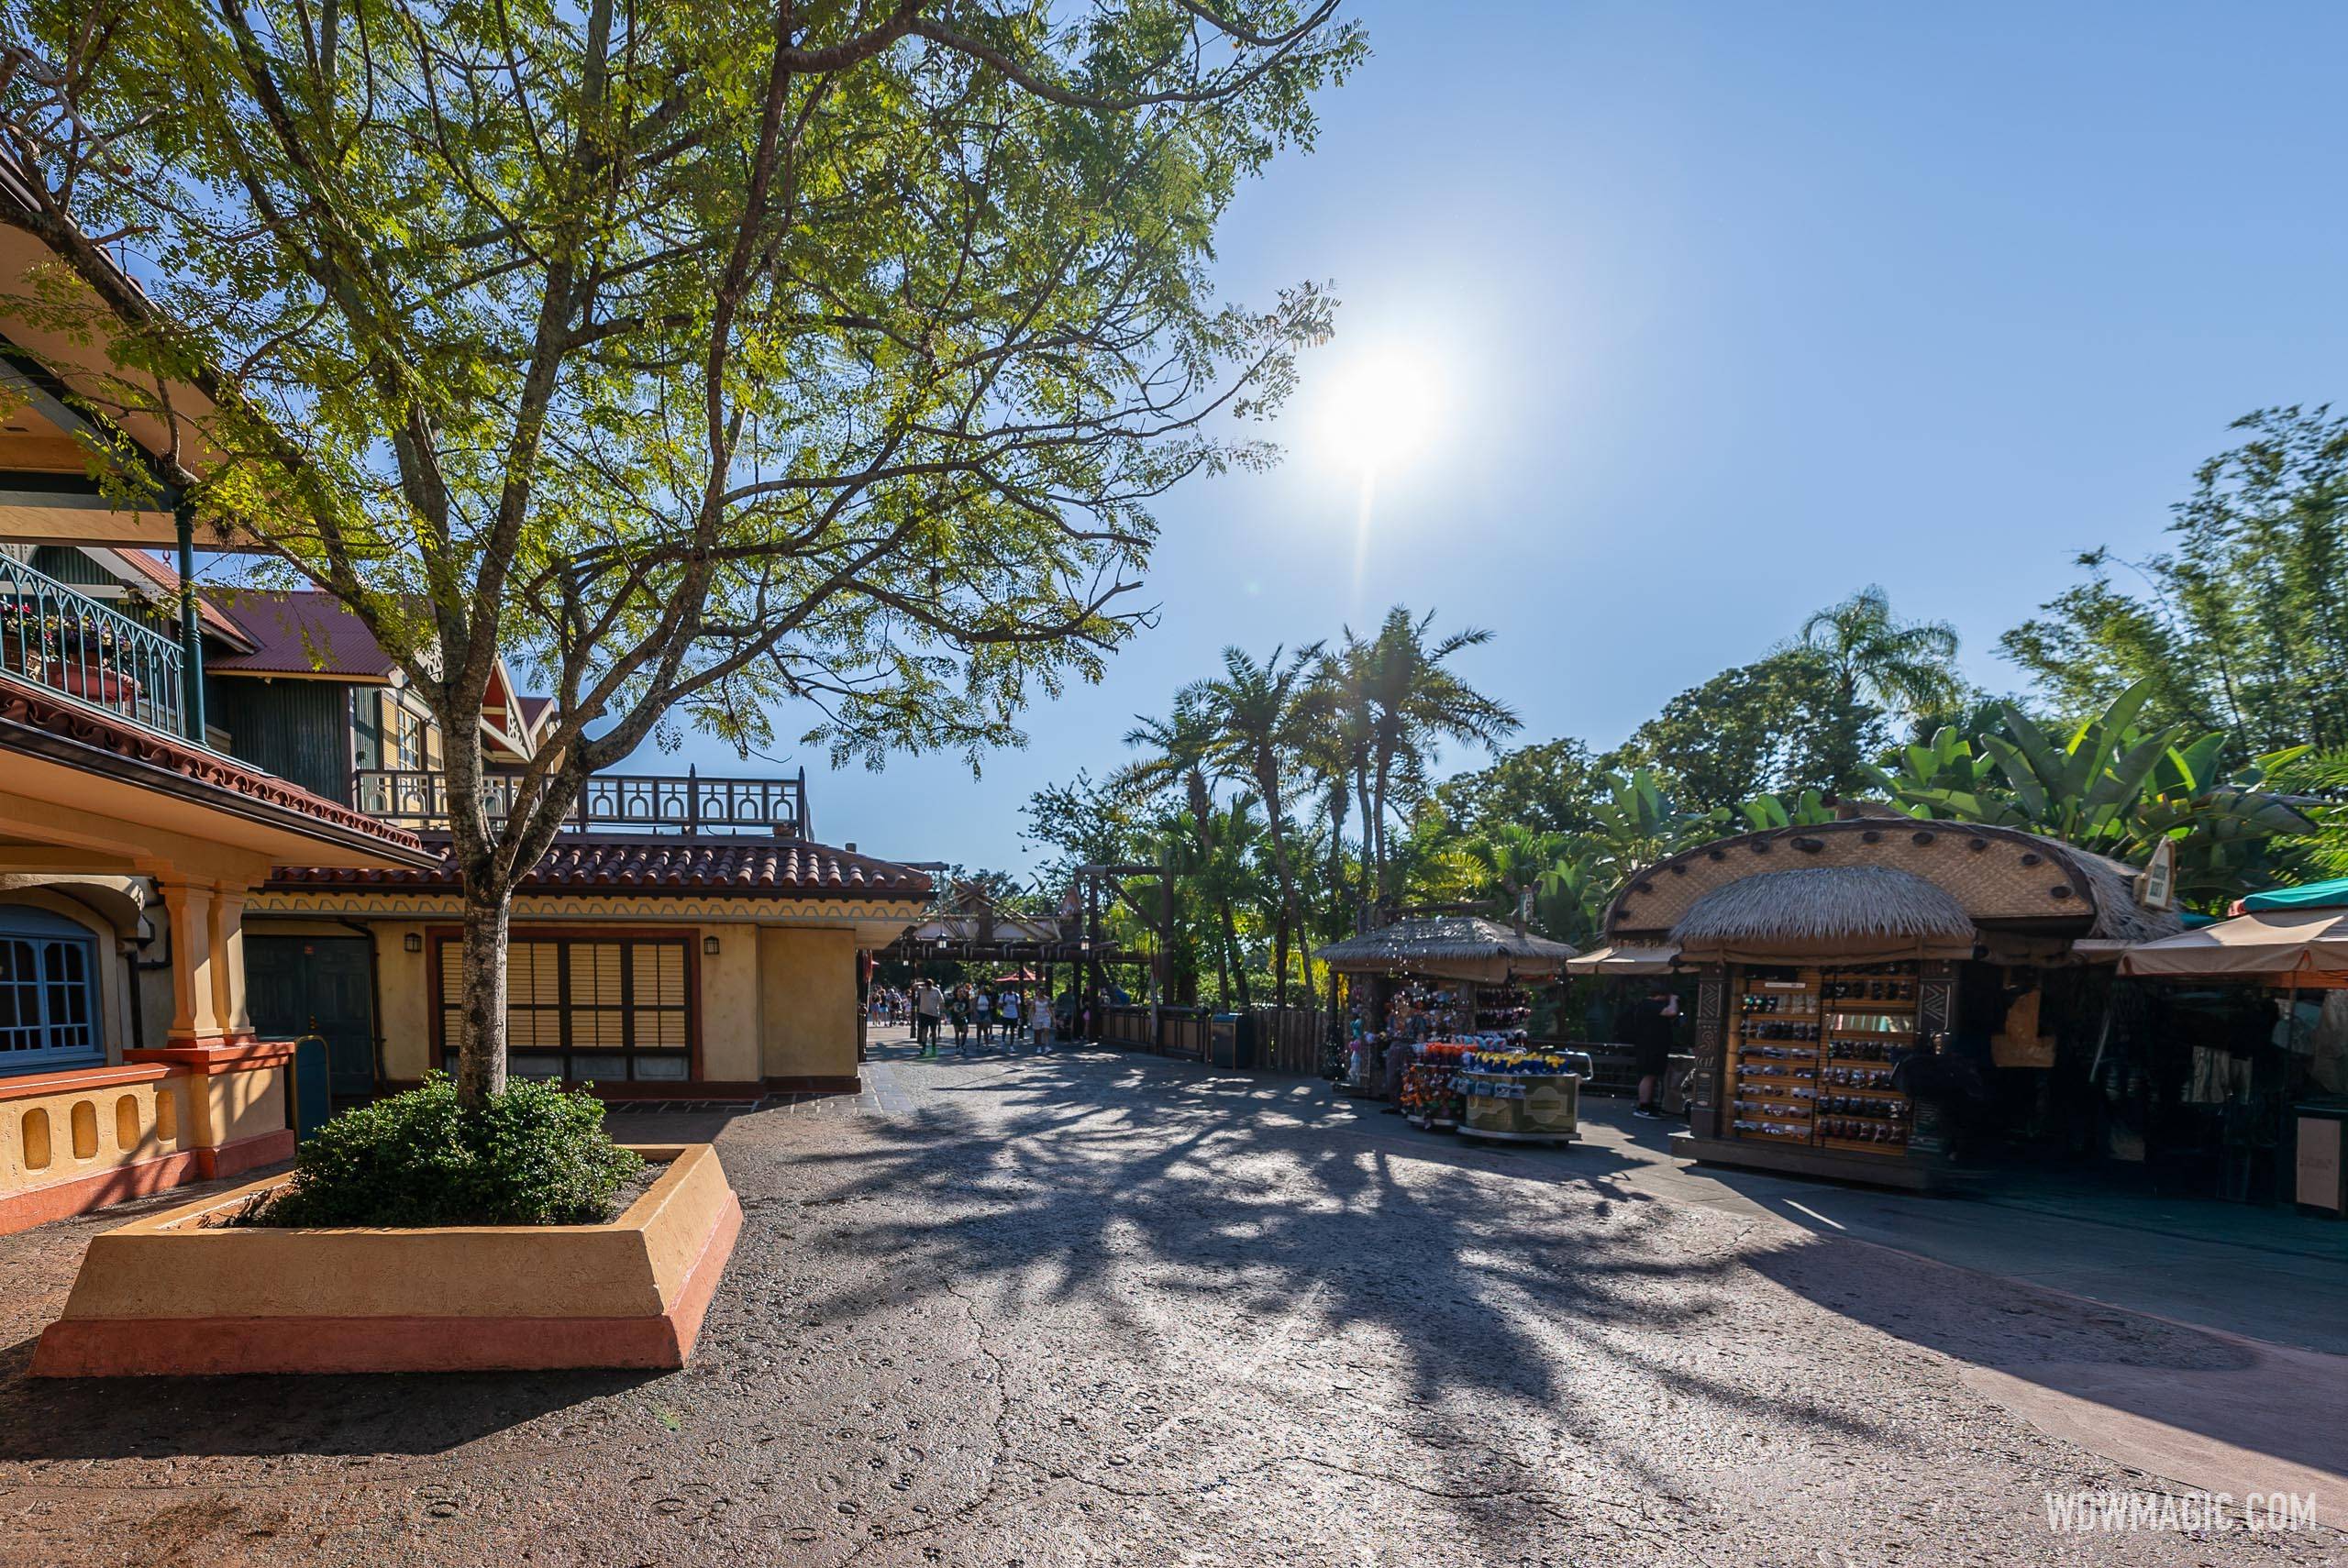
x: 167, y: 1296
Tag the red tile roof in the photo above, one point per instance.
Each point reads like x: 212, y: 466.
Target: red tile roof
x: 741, y: 867
x: 302, y: 632
x: 34, y: 720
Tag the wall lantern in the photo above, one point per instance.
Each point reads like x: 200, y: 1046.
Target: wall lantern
x: 412, y: 942
x: 709, y: 946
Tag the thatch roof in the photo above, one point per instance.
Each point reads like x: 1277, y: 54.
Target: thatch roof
x: 2015, y: 886
x: 1851, y: 911
x: 1463, y: 945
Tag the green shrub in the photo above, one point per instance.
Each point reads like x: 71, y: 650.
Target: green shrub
x: 533, y: 1155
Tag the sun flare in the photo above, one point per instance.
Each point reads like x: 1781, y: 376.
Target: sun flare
x: 1382, y: 411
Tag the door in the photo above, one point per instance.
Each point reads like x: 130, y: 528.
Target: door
x: 297, y: 984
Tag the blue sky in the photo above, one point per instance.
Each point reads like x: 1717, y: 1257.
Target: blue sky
x: 1733, y: 309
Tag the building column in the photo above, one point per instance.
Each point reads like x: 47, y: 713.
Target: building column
x: 194, y: 1018
x: 229, y: 1009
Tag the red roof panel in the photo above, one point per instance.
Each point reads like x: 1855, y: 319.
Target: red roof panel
x: 745, y: 867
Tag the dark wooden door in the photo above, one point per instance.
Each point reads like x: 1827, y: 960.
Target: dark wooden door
x: 291, y: 981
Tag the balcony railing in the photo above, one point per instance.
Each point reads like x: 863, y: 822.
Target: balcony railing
x: 53, y: 636
x: 640, y: 802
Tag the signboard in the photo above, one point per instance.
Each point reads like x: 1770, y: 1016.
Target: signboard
x: 2157, y: 884
x: 2318, y: 1163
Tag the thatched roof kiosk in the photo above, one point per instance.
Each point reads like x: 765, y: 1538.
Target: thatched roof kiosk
x: 2027, y: 898
x: 1829, y: 958
x: 1460, y: 947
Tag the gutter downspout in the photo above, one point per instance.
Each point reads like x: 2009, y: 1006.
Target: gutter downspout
x: 374, y: 998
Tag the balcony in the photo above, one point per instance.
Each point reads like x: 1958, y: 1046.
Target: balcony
x: 53, y: 636
x: 658, y: 804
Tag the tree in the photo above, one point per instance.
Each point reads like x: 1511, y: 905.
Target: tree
x: 1258, y: 712
x: 695, y: 358
x: 1407, y: 699
x: 1872, y: 657
x: 2241, y: 626
x: 1550, y: 787
x: 1778, y: 726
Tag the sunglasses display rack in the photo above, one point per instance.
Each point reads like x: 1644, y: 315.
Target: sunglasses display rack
x: 1810, y: 1054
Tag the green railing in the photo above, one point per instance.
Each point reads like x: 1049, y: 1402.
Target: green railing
x: 56, y: 637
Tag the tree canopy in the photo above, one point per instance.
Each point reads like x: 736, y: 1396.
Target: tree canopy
x: 699, y: 359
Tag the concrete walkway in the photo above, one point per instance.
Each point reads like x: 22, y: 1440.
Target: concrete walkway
x: 1104, y: 1310
x: 2270, y: 1286
x: 2266, y: 1274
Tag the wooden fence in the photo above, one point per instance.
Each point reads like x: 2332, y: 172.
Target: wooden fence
x: 1288, y: 1040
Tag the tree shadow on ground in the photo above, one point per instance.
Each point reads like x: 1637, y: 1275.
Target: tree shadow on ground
x: 1510, y: 1279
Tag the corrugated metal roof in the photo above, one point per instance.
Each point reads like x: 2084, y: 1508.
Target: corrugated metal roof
x: 302, y: 632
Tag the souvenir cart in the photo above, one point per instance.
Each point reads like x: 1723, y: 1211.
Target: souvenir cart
x: 1432, y: 979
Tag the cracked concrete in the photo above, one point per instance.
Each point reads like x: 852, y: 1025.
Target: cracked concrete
x: 1093, y: 1309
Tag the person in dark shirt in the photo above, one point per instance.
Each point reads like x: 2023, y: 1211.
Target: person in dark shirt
x: 1649, y: 1027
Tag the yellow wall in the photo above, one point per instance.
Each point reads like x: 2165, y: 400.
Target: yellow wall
x: 49, y: 1121
x: 775, y: 1001
x: 404, y: 980
x: 807, y: 981
x: 729, y: 1002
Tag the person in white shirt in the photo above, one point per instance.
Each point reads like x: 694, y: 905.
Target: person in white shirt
x: 1007, y: 1006
x: 929, y: 1007
x: 983, y: 1014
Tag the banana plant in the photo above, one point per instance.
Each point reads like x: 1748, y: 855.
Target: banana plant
x: 1638, y: 823
x: 1766, y: 811
x: 2113, y: 788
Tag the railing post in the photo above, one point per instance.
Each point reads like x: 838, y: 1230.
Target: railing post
x: 693, y: 797
x: 191, y: 632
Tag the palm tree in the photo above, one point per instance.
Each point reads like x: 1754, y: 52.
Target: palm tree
x: 1257, y: 716
x: 1515, y: 858
x: 1336, y: 749
x: 1902, y: 666
x: 1410, y: 701
x: 1182, y: 746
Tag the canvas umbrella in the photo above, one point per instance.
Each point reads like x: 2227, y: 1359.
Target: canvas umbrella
x: 2286, y: 942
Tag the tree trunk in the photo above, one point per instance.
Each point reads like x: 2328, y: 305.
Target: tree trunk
x: 480, y: 1049
x: 1238, y: 962
x: 1276, y: 815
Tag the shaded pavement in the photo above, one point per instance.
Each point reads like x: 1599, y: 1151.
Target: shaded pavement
x: 1097, y: 1309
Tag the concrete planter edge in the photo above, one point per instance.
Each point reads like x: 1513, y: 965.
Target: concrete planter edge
x: 165, y: 1297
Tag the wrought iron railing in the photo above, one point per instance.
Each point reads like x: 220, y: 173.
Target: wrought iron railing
x: 638, y: 803
x: 53, y: 636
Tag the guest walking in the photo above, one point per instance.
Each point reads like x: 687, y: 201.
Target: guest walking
x: 958, y: 1009
x: 930, y: 1006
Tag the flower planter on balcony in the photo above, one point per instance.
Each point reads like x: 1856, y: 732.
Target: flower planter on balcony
x: 173, y: 1294
x: 108, y: 687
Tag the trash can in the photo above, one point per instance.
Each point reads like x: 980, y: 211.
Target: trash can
x: 1231, y: 1040
x: 2320, y: 1184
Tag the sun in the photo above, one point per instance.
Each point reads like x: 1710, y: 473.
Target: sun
x: 1382, y: 411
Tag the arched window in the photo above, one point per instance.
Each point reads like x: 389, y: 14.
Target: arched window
x: 48, y: 992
